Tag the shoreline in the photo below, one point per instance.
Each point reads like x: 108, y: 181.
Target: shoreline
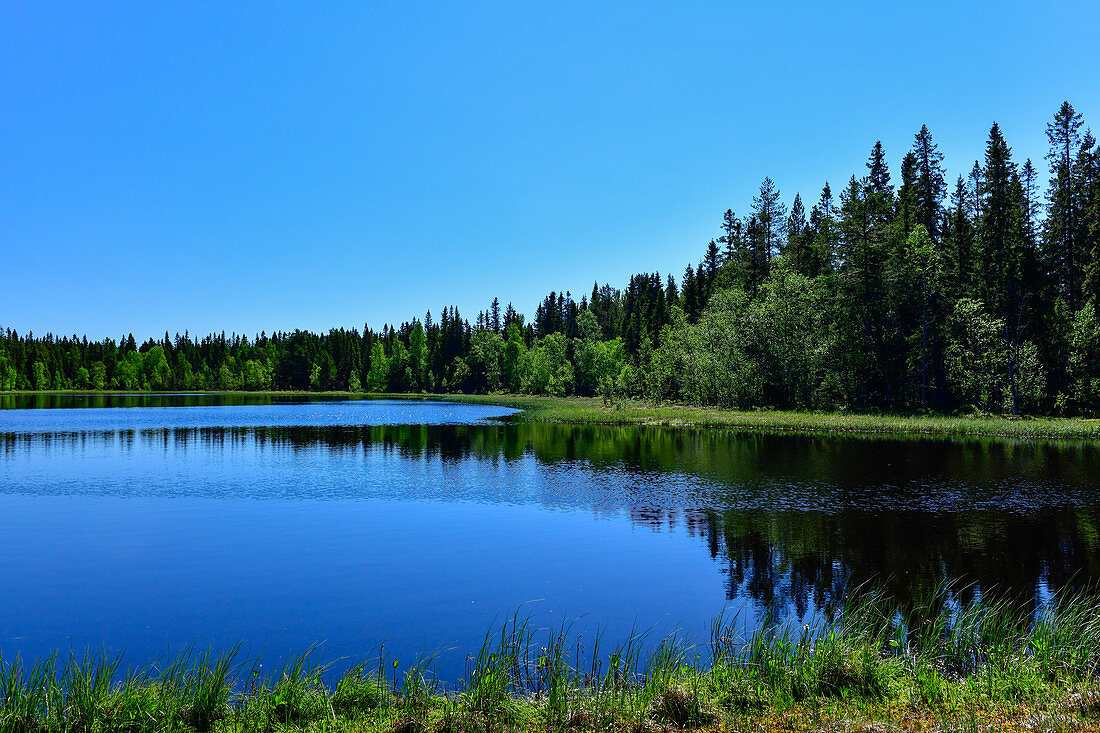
x: 980, y: 665
x: 592, y: 411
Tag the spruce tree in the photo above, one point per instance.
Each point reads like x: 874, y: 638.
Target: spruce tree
x: 711, y: 261
x: 1063, y: 244
x: 823, y: 222
x: 1006, y: 251
x: 930, y: 182
x: 798, y: 234
x: 878, y: 172
x: 1090, y: 220
x: 959, y: 243
x: 1029, y: 178
x: 908, y: 204
x: 494, y: 315
x: 861, y: 268
x: 879, y: 192
x: 771, y: 216
x: 731, y: 236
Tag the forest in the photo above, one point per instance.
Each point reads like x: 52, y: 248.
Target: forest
x: 885, y: 295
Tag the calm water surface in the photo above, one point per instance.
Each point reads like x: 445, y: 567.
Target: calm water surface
x: 146, y: 523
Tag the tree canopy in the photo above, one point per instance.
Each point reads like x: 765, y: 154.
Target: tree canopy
x: 907, y: 297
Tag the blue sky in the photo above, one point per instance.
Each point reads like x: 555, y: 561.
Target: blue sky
x: 218, y: 166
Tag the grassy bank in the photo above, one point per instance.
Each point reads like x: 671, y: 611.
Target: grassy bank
x: 583, y: 410
x: 592, y: 411
x: 989, y: 665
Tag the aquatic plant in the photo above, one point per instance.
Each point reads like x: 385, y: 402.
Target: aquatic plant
x: 946, y: 661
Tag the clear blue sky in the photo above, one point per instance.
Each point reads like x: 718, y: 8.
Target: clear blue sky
x: 211, y: 166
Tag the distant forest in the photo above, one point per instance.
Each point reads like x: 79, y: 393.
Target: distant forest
x: 885, y: 295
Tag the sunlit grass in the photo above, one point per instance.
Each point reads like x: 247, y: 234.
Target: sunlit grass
x: 990, y: 664
x: 593, y: 411
x: 584, y: 410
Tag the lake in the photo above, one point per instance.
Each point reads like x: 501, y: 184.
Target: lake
x: 146, y: 523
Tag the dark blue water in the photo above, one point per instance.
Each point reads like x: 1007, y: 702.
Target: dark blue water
x: 419, y: 524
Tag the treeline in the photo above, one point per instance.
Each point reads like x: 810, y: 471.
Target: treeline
x: 884, y: 296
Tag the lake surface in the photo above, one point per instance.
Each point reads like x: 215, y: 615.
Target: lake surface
x: 143, y: 524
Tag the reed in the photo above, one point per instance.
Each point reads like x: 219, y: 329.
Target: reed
x: 993, y: 662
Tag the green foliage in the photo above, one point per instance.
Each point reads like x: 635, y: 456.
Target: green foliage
x: 983, y: 365
x: 418, y: 358
x: 601, y: 367
x: 98, y: 375
x: 154, y: 369
x: 939, y: 658
x: 8, y: 374
x: 770, y: 350
x: 887, y: 299
x: 485, y: 363
x: 1084, y: 355
x: 379, y: 368
x: 514, y: 360
x: 40, y: 376
x: 399, y: 369
x: 976, y: 357
x: 354, y: 385
x: 546, y: 370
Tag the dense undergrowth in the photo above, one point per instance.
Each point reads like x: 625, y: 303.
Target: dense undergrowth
x: 982, y: 665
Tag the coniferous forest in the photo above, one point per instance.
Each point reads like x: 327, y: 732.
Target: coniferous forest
x: 893, y: 294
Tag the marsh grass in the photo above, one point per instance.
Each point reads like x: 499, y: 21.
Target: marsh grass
x: 946, y: 663
x: 592, y: 411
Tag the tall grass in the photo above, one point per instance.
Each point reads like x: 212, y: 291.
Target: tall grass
x: 592, y: 411
x: 870, y: 657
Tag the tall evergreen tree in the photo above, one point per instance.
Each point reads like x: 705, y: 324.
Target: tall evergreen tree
x: 1089, y: 180
x: 731, y: 237
x: 959, y: 243
x: 798, y: 243
x: 908, y: 199
x: 878, y: 173
x: 711, y: 261
x: 826, y: 235
x: 494, y: 315
x: 1063, y: 244
x: 770, y: 214
x: 930, y: 182
x: 878, y: 191
x: 1003, y: 234
x: 861, y: 268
